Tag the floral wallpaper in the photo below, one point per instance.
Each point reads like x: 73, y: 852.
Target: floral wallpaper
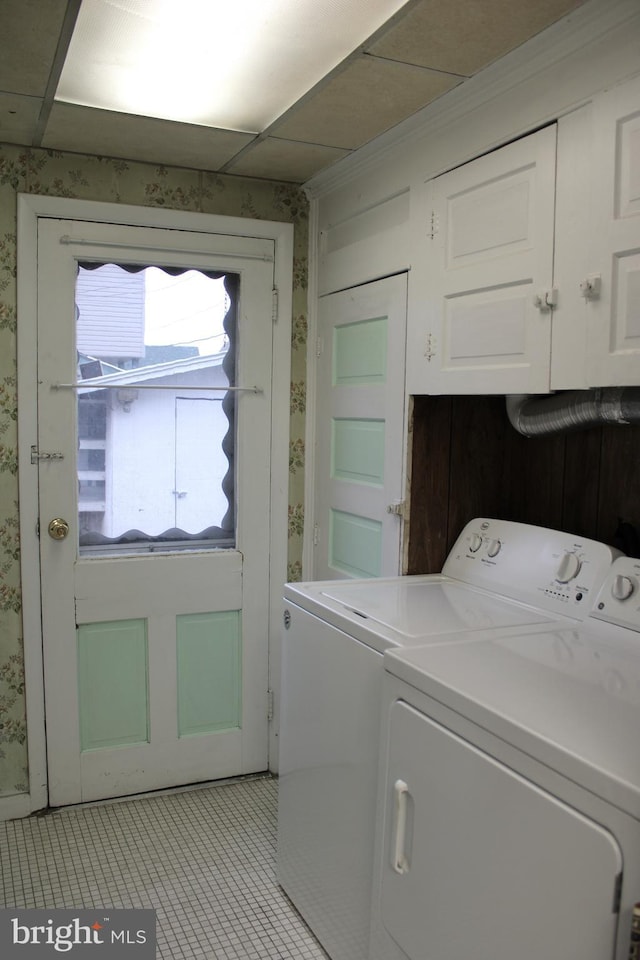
x: 58, y: 174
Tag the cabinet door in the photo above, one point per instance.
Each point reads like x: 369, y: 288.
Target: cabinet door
x: 613, y: 317
x: 474, y: 326
x: 479, y: 862
x: 360, y: 430
x: 574, y: 178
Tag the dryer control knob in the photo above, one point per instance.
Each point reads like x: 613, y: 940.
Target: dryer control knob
x: 475, y: 542
x: 622, y: 587
x: 569, y: 568
x: 494, y: 548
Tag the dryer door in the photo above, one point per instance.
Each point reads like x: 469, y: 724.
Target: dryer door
x: 480, y: 862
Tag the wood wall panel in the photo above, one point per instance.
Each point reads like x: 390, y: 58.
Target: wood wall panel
x: 619, y: 491
x: 582, y: 463
x: 429, y: 535
x: 477, y: 445
x: 468, y: 461
x: 533, y: 485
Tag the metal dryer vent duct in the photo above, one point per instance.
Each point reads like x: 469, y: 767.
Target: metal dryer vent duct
x: 539, y: 416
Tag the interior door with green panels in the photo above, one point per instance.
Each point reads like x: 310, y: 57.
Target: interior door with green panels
x: 360, y: 431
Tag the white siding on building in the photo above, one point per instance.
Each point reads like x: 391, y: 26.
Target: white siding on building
x: 111, y: 305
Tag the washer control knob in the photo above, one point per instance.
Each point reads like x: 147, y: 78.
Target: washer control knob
x: 569, y: 568
x: 494, y: 548
x: 475, y: 542
x: 622, y: 587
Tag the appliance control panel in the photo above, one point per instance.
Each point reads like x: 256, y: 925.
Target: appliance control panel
x: 548, y: 568
x: 618, y: 600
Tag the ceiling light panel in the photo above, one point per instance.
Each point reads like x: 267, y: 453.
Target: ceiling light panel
x: 234, y: 64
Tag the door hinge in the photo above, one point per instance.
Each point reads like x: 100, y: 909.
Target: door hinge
x: 274, y: 304
x: 269, y: 705
x: 316, y: 534
x: 319, y: 347
x: 38, y: 528
x: 36, y: 456
x: 434, y: 225
x: 635, y: 931
x: 430, y: 348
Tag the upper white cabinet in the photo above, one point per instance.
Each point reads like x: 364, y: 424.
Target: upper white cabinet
x: 480, y: 310
x: 613, y: 313
x: 531, y: 278
x: 596, y: 325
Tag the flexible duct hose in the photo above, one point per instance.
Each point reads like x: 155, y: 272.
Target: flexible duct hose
x: 538, y: 416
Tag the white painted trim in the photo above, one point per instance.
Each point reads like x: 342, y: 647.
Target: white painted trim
x: 30, y: 208
x: 280, y: 429
x: 27, y: 307
x: 308, y: 557
x: 102, y: 212
x: 16, y: 807
x: 528, y: 67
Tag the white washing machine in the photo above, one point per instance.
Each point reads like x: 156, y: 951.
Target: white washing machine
x: 499, y: 577
x: 509, y: 804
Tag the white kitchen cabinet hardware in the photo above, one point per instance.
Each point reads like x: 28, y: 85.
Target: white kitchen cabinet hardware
x: 590, y: 287
x: 546, y: 300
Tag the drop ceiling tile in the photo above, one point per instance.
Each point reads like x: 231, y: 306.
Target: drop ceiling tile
x: 84, y: 130
x: 362, y: 101
x: 18, y: 118
x: 462, y: 36
x: 29, y: 33
x: 289, y: 160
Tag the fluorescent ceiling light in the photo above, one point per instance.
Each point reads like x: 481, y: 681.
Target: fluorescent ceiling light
x: 234, y: 64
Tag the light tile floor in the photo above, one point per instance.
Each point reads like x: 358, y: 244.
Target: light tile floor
x: 204, y: 859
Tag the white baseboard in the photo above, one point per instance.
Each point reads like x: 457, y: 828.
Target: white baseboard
x: 15, y: 807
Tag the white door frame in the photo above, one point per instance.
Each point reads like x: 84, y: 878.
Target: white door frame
x: 30, y: 208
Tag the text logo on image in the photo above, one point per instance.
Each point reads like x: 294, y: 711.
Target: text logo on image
x: 27, y: 934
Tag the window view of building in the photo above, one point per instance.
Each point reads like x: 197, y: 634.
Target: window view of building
x: 155, y: 424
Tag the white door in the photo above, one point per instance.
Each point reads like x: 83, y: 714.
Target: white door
x: 613, y: 315
x: 481, y: 314
x: 360, y: 430
x: 478, y: 861
x: 155, y: 651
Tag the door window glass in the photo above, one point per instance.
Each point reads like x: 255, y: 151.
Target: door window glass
x: 156, y: 354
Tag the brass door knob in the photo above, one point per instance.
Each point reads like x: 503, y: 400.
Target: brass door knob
x: 58, y: 529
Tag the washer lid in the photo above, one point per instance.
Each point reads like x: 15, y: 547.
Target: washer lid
x: 411, y: 610
x: 417, y: 609
x: 569, y: 697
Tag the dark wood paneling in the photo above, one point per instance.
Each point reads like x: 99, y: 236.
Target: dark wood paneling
x: 468, y: 462
x: 619, y: 493
x: 477, y: 446
x: 532, y: 482
x: 582, y: 463
x: 429, y: 512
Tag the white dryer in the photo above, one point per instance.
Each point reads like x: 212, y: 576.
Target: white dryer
x: 509, y: 804
x: 500, y: 577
